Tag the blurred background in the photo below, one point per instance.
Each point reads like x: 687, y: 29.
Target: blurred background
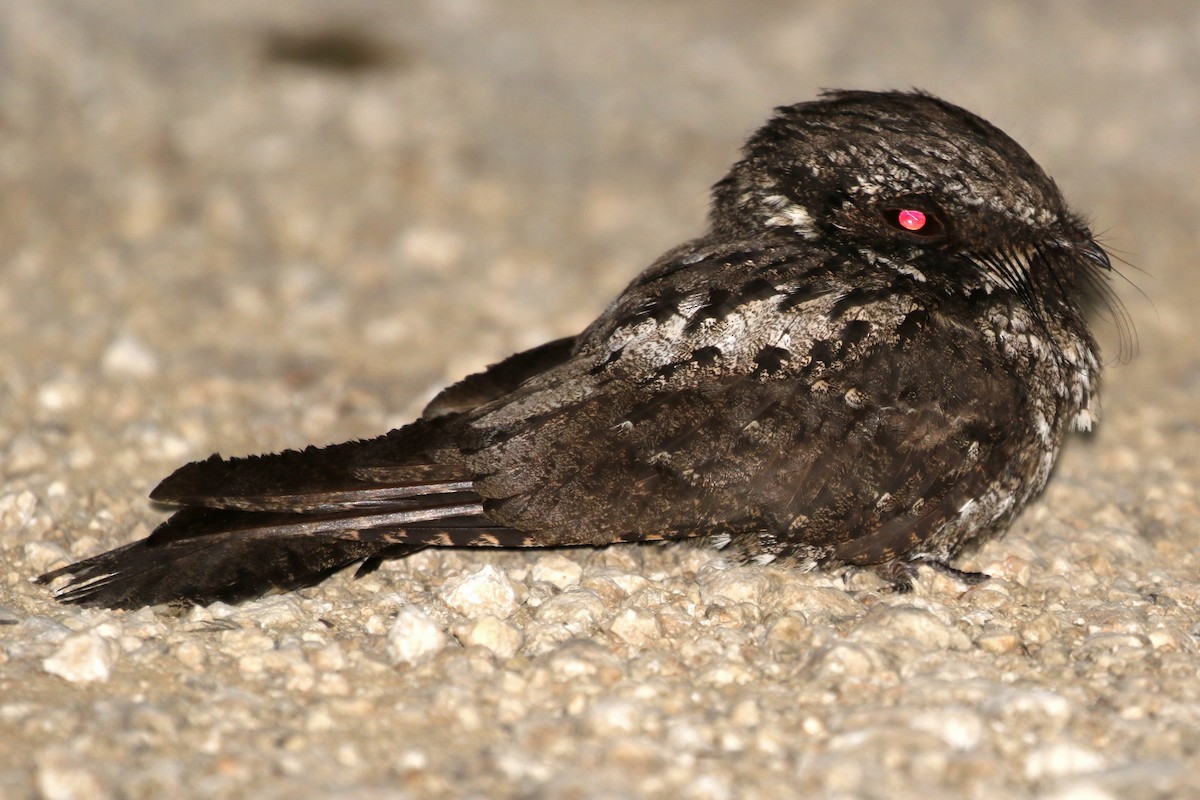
x: 255, y: 225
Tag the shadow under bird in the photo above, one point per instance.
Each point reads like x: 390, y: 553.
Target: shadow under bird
x: 870, y: 359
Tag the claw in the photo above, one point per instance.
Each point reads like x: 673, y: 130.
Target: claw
x: 962, y: 576
x: 900, y: 574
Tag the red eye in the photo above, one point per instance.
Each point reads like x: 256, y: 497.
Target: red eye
x: 911, y: 219
x: 925, y: 224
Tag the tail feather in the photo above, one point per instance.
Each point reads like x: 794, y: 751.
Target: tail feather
x: 360, y: 474
x: 317, y: 500
x: 247, y: 526
x: 375, y: 495
x: 200, y: 555
x: 204, y: 570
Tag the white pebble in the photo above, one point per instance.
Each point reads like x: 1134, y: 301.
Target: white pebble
x: 845, y: 659
x: 1060, y: 760
x: 62, y: 775
x: 886, y: 625
x: 739, y: 585
x: 581, y: 659
x: 414, y: 637
x: 279, y: 610
x: 430, y: 247
x: 627, y: 582
x: 1082, y: 790
x: 244, y: 642
x: 557, y: 570
x: 83, y: 658
x: 614, y: 717
x: 579, y: 610
x: 190, y: 653
x: 25, y: 454
x: 960, y: 728
x: 637, y: 626
x: 502, y: 638
x: 486, y: 591
x: 329, y: 658
x: 128, y: 355
x: 60, y: 394
x: 1018, y: 706
x: 17, y: 509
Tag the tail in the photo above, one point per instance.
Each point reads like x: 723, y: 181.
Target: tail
x: 247, y: 526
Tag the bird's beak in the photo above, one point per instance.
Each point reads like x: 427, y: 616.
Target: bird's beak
x: 1093, y: 252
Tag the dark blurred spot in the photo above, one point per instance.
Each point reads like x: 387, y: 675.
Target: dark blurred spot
x: 331, y: 49
x: 771, y: 359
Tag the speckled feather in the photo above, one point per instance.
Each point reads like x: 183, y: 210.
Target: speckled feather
x: 809, y: 383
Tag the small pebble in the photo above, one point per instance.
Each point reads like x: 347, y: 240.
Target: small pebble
x: 998, y: 642
x: 739, y: 585
x: 502, y: 638
x: 83, y: 658
x: 580, y: 610
x: 485, y: 591
x: 960, y: 728
x: 615, y: 717
x: 413, y: 637
x: 636, y: 626
x: 1061, y: 759
x: 558, y: 570
x: 25, y: 454
x: 62, y: 775
x: 909, y: 625
x: 129, y: 356
x: 1041, y: 629
x: 17, y: 509
x: 852, y: 660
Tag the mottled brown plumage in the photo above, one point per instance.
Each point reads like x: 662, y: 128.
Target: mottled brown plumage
x: 870, y: 359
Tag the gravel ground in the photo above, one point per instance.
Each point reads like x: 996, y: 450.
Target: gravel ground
x: 243, y: 227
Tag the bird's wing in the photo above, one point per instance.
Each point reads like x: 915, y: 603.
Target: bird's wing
x: 851, y: 449
x: 499, y: 379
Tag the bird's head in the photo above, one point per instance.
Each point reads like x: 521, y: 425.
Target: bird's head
x: 920, y: 186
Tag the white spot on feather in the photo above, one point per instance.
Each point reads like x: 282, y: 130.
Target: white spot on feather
x: 790, y: 216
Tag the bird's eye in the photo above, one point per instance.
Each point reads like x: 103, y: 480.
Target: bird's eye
x: 924, y: 223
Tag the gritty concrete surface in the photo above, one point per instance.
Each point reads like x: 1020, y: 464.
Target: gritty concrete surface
x: 239, y: 227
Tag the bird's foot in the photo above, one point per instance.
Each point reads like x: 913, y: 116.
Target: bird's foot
x: 960, y: 575
x: 900, y: 574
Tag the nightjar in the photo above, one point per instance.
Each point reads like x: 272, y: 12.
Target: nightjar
x: 870, y: 359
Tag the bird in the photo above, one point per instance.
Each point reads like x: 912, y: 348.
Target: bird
x: 869, y: 360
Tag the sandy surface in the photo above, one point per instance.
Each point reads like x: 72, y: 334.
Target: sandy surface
x: 243, y: 227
